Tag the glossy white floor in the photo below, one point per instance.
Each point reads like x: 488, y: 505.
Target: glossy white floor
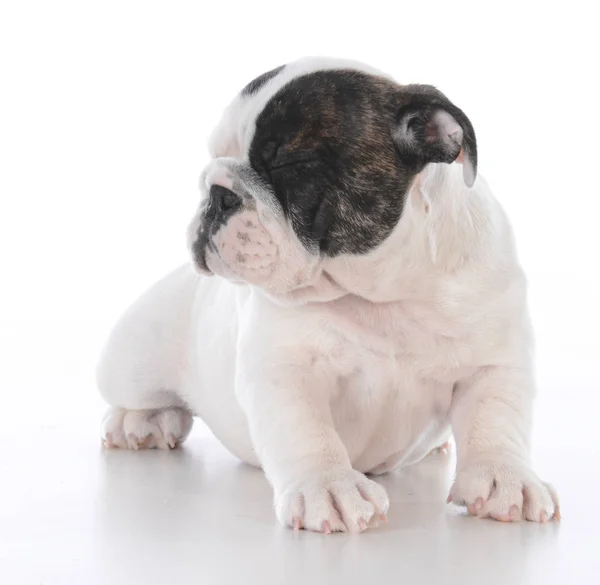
x: 73, y: 514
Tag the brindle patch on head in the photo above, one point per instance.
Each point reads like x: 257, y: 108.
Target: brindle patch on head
x: 324, y: 142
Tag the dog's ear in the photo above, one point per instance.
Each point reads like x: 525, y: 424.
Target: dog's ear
x: 430, y: 128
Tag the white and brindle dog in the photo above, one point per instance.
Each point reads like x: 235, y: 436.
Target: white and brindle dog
x: 366, y: 301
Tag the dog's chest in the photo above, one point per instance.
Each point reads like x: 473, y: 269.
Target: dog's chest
x: 396, y: 366
x: 412, y: 336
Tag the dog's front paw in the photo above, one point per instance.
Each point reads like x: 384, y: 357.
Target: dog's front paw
x: 334, y: 501
x: 505, y: 492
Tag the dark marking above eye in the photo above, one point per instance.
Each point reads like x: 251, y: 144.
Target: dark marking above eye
x: 257, y: 83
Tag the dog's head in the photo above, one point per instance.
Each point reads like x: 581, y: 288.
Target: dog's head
x: 312, y: 163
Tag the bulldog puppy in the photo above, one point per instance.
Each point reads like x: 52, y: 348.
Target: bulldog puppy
x: 354, y: 297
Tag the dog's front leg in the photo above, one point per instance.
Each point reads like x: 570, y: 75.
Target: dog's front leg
x: 491, y: 420
x: 315, y: 487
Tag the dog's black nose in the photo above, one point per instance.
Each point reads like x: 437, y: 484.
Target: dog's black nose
x: 222, y: 204
x: 224, y: 199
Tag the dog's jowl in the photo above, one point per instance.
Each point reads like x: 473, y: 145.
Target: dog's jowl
x: 353, y: 298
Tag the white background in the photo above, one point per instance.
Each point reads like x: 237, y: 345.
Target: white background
x: 105, y: 108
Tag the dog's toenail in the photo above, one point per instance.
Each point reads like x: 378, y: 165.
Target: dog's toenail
x: 514, y: 512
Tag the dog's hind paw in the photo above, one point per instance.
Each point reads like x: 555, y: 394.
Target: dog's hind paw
x: 145, y: 429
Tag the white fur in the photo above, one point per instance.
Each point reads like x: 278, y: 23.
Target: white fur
x: 364, y: 364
